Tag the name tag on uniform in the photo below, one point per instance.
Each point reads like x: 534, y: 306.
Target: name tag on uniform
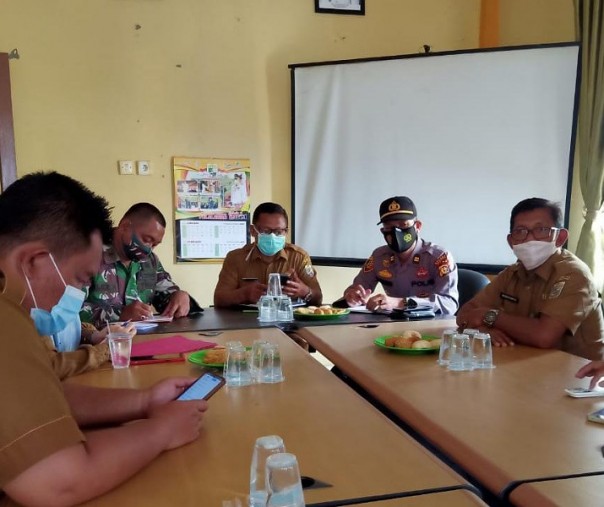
x: 507, y: 297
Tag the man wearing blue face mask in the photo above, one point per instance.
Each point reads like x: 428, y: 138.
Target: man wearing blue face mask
x: 52, y: 450
x: 131, y: 280
x: 407, y: 267
x: 548, y: 298
x: 244, y: 275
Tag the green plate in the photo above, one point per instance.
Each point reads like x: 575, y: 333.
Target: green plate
x: 412, y: 352
x: 312, y: 316
x: 198, y: 358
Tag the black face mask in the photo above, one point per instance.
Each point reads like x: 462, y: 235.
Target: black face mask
x: 400, y: 240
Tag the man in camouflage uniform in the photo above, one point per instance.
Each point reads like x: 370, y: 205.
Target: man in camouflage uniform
x: 408, y: 267
x: 244, y: 275
x: 131, y: 279
x: 548, y: 298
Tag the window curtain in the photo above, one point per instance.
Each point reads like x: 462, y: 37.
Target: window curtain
x: 589, y: 16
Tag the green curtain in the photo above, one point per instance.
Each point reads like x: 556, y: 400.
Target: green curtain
x: 590, y: 26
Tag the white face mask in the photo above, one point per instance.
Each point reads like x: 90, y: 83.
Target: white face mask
x: 534, y: 253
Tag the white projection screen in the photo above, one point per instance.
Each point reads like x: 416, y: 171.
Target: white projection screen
x: 466, y: 135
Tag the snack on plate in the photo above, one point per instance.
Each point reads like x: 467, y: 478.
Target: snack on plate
x: 411, y: 339
x: 215, y: 356
x: 391, y: 341
x: 421, y: 344
x: 404, y: 342
x: 412, y: 334
x: 320, y: 310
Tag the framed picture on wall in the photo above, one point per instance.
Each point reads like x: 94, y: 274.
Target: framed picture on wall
x: 341, y: 7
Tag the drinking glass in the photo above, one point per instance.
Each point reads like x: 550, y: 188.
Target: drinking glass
x: 283, y: 482
x: 256, y: 360
x: 482, y: 351
x: 270, y: 364
x: 285, y: 311
x: 445, y: 346
x: 267, y: 309
x: 263, y: 448
x: 120, y: 345
x: 460, y: 358
x: 237, y: 368
x: 274, y: 285
x: 471, y: 332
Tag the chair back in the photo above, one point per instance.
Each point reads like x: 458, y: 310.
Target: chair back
x: 469, y: 283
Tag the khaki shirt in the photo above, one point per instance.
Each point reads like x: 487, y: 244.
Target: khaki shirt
x: 35, y: 419
x: 84, y: 358
x: 247, y: 262
x: 562, y: 288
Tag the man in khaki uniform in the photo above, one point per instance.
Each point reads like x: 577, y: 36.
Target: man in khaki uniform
x: 244, y: 275
x: 548, y: 298
x: 51, y: 232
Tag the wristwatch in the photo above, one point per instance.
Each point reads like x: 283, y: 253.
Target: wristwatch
x: 308, y: 296
x: 490, y: 317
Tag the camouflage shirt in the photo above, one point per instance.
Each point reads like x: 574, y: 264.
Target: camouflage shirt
x: 116, y: 286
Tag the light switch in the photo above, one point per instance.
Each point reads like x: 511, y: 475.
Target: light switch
x: 126, y: 166
x: 143, y: 168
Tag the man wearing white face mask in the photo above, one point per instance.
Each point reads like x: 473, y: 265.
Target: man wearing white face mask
x: 64, y: 443
x: 244, y: 275
x: 548, y: 298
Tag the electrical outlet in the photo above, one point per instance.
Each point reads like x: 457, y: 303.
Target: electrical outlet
x: 126, y: 166
x: 143, y: 168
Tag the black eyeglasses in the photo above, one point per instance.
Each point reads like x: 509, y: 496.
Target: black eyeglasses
x: 266, y: 230
x: 539, y: 233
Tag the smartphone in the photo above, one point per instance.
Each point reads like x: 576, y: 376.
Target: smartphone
x: 249, y: 279
x: 283, y: 278
x: 203, y: 388
x: 597, y: 416
x: 583, y: 392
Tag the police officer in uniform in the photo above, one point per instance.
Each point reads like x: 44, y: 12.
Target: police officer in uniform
x: 408, y: 267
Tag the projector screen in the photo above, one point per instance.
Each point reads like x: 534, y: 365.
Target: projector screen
x: 466, y: 135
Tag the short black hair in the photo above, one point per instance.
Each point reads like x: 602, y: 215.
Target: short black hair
x: 144, y: 211
x: 52, y: 208
x: 270, y: 208
x: 537, y: 203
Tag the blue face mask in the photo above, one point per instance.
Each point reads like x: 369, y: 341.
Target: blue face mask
x: 69, y: 338
x: 64, y: 312
x: 270, y: 244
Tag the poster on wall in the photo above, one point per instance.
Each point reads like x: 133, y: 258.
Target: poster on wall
x: 211, y: 207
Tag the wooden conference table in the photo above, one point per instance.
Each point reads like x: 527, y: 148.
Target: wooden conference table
x: 218, y: 319
x: 577, y: 491
x: 337, y: 436
x: 457, y: 498
x: 511, y: 423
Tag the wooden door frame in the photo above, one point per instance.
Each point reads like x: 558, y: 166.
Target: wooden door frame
x: 8, y: 165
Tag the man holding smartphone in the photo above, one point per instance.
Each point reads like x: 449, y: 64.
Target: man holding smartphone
x: 244, y: 275
x: 51, y: 234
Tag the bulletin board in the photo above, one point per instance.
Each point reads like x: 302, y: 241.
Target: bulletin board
x: 211, y: 207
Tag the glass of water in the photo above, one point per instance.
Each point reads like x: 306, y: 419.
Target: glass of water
x: 263, y: 448
x: 283, y: 482
x: 285, y: 311
x: 482, y: 351
x: 237, y: 368
x: 270, y: 364
x: 120, y: 345
x: 460, y: 358
x: 267, y: 309
x: 445, y: 346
